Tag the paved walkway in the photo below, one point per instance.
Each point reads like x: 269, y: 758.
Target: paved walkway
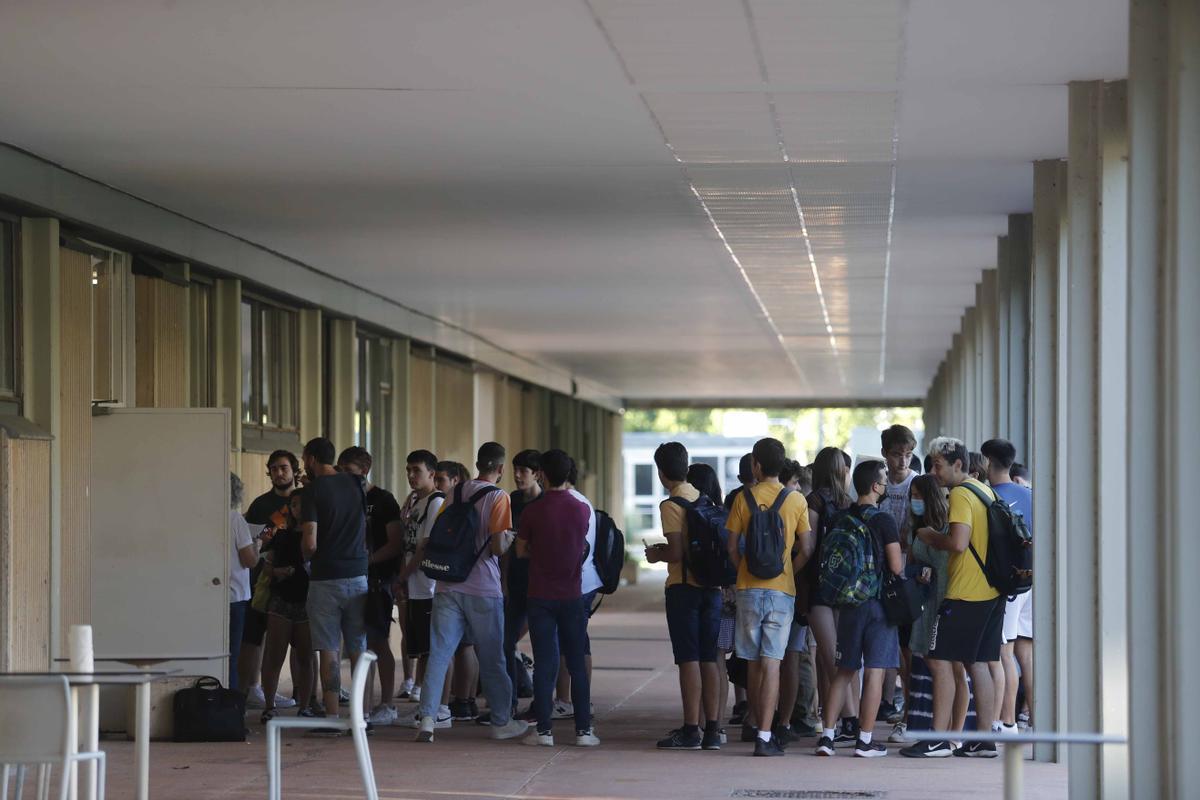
x: 636, y: 699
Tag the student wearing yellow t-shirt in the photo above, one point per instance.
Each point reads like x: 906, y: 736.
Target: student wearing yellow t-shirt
x: 971, y: 618
x: 765, y: 605
x: 693, y: 611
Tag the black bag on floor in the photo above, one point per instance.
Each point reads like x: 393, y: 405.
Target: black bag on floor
x: 208, y: 712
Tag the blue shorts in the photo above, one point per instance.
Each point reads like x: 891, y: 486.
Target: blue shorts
x: 764, y: 623
x: 865, y: 639
x: 693, y: 621
x: 336, y: 610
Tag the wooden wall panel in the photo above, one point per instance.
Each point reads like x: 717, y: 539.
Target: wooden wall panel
x: 75, y: 436
x: 420, y: 399
x: 24, y: 554
x: 252, y: 469
x: 161, y: 338
x: 454, y: 420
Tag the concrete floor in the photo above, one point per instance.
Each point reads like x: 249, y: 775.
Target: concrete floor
x: 636, y: 700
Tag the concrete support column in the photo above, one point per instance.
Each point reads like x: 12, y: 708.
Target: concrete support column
x: 41, y: 392
x: 341, y: 374
x: 311, y: 386
x: 989, y: 375
x: 1163, y: 393
x: 970, y: 375
x: 1016, y: 333
x: 1003, y: 301
x: 401, y: 381
x: 1096, y: 628
x: 1046, y: 448
x: 227, y: 354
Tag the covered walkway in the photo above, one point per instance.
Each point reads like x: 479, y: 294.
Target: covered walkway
x: 635, y: 694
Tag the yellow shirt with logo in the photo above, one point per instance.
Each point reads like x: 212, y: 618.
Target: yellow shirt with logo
x: 674, y: 520
x: 794, y: 512
x: 966, y: 578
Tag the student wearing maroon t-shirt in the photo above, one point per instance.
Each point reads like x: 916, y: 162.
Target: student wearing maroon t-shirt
x: 553, y: 536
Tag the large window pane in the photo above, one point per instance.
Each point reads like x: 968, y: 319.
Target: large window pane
x: 643, y: 480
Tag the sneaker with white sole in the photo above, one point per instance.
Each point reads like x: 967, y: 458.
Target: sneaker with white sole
x: 899, y: 734
x: 405, y: 689
x: 510, y: 730
x: 825, y: 747
x: 942, y: 749
x: 536, y: 739
x: 284, y: 702
x: 586, y: 738
x: 255, y: 698
x: 414, y: 696
x: 441, y: 721
x: 871, y: 749
x: 425, y: 728
x: 343, y: 696
x: 383, y: 715
x: 563, y: 710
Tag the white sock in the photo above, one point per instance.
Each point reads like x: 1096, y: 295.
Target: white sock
x: 764, y: 736
x: 996, y: 726
x: 829, y: 733
x: 865, y: 736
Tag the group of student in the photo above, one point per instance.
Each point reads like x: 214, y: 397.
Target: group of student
x: 813, y: 588
x: 469, y: 568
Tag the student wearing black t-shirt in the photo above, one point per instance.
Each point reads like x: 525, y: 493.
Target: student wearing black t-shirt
x: 333, y: 539
x: 385, y: 541
x: 527, y: 467
x: 864, y: 636
x: 287, y: 615
x: 268, y: 512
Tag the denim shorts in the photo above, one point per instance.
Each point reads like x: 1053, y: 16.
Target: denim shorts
x: 335, y: 613
x: 764, y: 623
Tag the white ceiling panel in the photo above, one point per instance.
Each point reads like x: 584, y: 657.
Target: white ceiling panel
x: 591, y: 183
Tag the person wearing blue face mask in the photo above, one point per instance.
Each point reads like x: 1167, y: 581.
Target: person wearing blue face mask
x: 930, y: 510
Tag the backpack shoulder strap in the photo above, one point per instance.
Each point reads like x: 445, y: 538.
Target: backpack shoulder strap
x: 780, y: 499
x: 679, y: 501
x: 475, y: 498
x: 751, y: 503
x: 975, y: 490
x: 987, y: 501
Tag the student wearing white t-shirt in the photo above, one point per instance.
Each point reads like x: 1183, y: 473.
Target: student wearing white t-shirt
x: 898, y: 443
x: 590, y: 583
x: 418, y: 514
x: 242, y: 556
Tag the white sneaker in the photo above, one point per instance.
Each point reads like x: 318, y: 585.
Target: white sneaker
x: 899, y: 734
x: 425, y: 729
x: 255, y: 698
x: 405, y: 689
x: 511, y: 730
x: 1008, y: 730
x: 383, y: 715
x: 414, y: 694
x: 563, y: 710
x: 283, y: 702
x: 586, y: 738
x: 443, y: 720
x: 536, y: 739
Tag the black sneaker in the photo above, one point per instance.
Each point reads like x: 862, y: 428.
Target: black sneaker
x: 739, y: 714
x: 473, y: 708
x: 784, y: 734
x: 749, y: 733
x: 678, y: 740
x: 768, y: 748
x: 872, y: 749
x: 928, y: 750
x: 461, y: 710
x: 825, y: 747
x: 977, y: 750
x: 804, y: 730
x: 847, y: 735
x: 484, y: 719
x: 711, y: 740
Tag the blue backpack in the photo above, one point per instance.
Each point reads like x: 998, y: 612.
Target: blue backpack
x: 849, y: 563
x: 450, y: 552
x: 765, y: 537
x: 705, y: 557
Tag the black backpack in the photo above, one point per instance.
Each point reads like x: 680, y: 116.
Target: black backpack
x: 609, y: 555
x: 764, y: 536
x: 705, y: 556
x: 1009, y: 565
x: 450, y: 551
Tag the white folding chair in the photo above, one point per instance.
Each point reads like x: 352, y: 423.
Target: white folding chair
x: 37, y: 729
x: 356, y: 724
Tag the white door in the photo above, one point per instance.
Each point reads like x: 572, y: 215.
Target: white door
x: 160, y: 536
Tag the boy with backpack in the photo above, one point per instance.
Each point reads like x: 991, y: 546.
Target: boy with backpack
x: 860, y: 546
x: 971, y: 618
x: 462, y: 554
x: 769, y: 541
x: 553, y: 536
x: 693, y: 609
